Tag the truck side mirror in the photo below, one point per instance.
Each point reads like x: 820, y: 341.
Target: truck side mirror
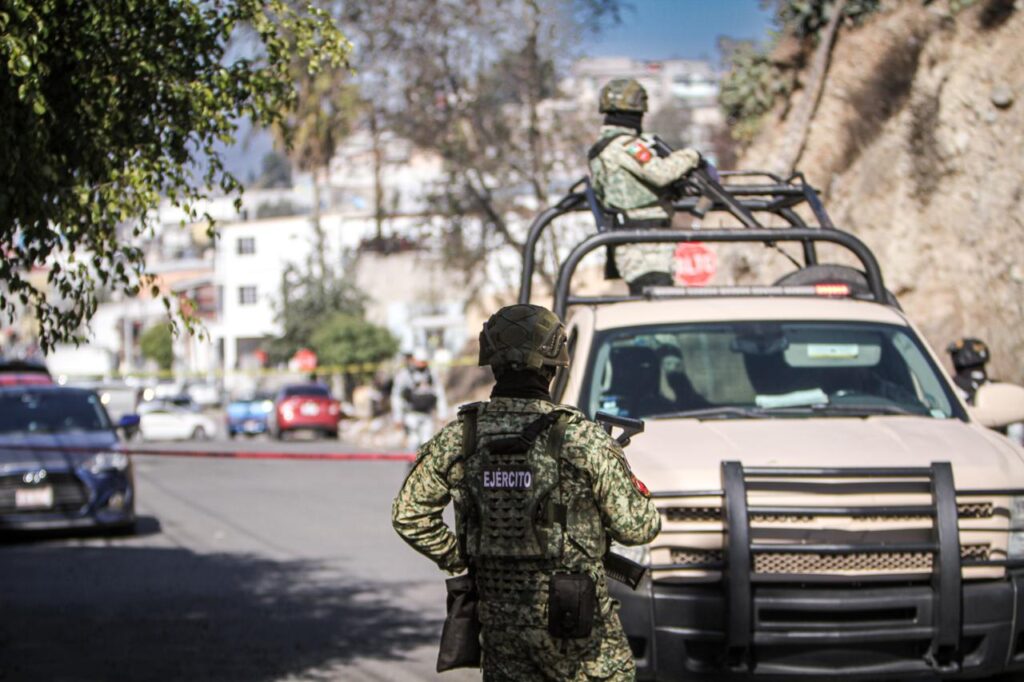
x: 997, y: 405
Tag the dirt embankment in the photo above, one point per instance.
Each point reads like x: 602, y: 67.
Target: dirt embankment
x: 918, y: 147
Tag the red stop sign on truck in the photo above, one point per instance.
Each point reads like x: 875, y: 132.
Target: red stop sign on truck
x: 695, y: 264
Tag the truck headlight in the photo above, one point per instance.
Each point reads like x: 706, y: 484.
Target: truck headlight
x: 1015, y: 547
x: 640, y: 554
x: 106, y: 461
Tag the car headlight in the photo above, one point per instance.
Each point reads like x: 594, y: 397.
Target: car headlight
x: 640, y: 554
x: 1015, y: 548
x: 106, y: 461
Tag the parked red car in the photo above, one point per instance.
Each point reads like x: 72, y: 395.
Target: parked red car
x: 305, y: 406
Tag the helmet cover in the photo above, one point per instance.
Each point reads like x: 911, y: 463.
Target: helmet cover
x: 967, y: 353
x: 523, y: 336
x: 623, y: 94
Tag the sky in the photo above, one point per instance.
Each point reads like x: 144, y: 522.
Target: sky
x: 659, y: 29
x: 650, y: 30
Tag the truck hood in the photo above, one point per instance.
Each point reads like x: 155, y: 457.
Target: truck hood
x: 685, y: 454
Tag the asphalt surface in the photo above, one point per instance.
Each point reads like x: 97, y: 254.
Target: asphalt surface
x: 240, y: 570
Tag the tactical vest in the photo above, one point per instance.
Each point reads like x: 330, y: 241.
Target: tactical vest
x: 512, y: 506
x: 620, y: 219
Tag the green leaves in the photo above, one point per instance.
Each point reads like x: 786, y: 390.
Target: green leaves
x: 107, y: 106
x: 343, y: 339
x: 157, y: 344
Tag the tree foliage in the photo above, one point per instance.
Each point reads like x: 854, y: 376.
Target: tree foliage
x: 107, y: 107
x: 308, y: 297
x: 805, y: 18
x: 472, y: 81
x: 757, y: 77
x: 344, y: 339
x: 275, y: 172
x: 157, y: 344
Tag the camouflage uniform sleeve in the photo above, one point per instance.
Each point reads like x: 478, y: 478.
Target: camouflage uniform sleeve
x: 627, y: 510
x: 417, y: 510
x: 635, y: 156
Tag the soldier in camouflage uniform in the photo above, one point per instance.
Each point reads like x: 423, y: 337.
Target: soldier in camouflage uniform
x: 630, y: 179
x: 538, y: 491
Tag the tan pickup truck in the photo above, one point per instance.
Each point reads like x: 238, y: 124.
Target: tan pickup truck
x: 830, y: 506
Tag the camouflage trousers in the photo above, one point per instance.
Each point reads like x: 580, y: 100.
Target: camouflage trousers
x: 636, y: 260
x: 532, y: 655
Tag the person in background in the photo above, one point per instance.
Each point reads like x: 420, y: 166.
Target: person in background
x: 417, y: 399
x: 970, y: 357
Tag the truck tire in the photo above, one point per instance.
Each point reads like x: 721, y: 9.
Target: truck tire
x: 832, y: 272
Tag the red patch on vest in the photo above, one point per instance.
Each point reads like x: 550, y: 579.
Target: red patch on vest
x: 639, y: 485
x: 640, y: 152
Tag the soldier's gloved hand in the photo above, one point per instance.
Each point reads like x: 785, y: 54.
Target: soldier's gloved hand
x: 710, y: 169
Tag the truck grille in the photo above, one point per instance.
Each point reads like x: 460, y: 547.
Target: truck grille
x: 814, y: 564
x: 68, y: 493
x: 843, y: 522
x: 965, y: 510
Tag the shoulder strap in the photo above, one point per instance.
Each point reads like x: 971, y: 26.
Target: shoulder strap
x: 602, y: 144
x: 469, y: 414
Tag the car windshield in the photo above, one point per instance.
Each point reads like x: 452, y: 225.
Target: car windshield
x: 764, y: 369
x: 309, y: 389
x: 30, y: 412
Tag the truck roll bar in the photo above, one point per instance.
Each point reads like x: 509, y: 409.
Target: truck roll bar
x: 771, y: 194
x: 661, y: 236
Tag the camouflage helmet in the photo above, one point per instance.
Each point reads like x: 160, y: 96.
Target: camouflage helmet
x: 623, y: 94
x: 523, y: 336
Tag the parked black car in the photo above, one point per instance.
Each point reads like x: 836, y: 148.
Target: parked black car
x: 60, y: 461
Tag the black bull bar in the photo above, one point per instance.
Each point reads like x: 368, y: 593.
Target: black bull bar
x: 741, y: 635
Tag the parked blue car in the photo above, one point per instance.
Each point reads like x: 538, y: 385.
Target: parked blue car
x: 60, y: 461
x: 249, y: 415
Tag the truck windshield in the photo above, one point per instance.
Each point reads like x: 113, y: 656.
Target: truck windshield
x: 51, y: 411
x: 764, y: 369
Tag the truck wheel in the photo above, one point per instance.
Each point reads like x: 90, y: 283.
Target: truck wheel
x: 831, y: 272
x: 199, y: 433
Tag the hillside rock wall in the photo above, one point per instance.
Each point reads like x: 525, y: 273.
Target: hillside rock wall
x: 918, y: 148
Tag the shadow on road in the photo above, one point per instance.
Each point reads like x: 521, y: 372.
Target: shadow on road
x: 140, y: 613
x: 144, y: 526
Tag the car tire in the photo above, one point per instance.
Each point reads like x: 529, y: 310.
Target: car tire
x: 232, y: 434
x: 199, y: 433
x: 830, y: 272
x: 279, y: 434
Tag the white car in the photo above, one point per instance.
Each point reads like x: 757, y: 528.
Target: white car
x: 169, y: 422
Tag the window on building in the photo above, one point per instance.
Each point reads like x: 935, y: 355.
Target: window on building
x: 247, y: 295
x: 246, y: 245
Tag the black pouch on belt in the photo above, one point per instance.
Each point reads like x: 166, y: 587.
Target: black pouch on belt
x: 460, y: 639
x: 572, y: 601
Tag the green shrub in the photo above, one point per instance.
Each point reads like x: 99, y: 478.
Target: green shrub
x: 157, y: 344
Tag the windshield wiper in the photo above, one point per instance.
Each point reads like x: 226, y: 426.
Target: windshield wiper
x: 720, y: 412
x: 868, y: 410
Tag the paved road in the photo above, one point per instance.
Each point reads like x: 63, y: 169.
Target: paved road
x: 241, y: 570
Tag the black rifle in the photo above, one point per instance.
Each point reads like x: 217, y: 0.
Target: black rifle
x: 710, y: 190
x: 616, y: 566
